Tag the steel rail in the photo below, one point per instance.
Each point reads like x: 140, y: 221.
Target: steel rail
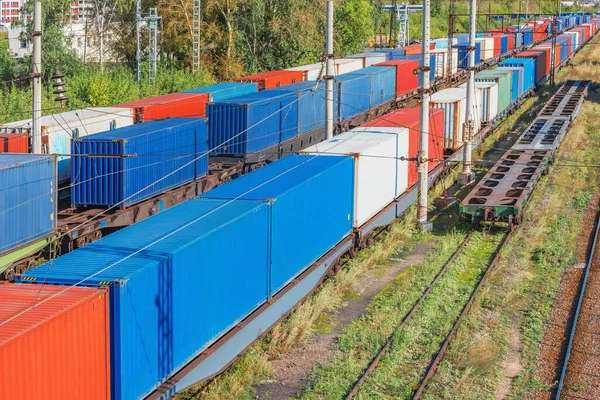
x: 373, y: 364
x: 435, y: 362
x: 578, y: 309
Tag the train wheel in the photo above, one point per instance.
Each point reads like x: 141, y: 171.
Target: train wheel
x: 96, y: 236
x: 9, y: 274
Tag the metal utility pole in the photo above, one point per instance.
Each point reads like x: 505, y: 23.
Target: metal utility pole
x: 467, y: 176
x: 138, y: 27
x: 450, y: 39
x: 152, y: 45
x: 37, y: 79
x: 196, y: 37
x: 422, y: 161
x: 553, y: 52
x: 329, y: 77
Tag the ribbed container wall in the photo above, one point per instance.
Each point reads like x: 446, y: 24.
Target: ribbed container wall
x: 463, y: 54
x: 28, y: 199
x: 528, y: 66
x: 225, y: 90
x: 59, y: 129
x: 419, y: 58
x: 252, y: 123
x: 149, y: 159
x: 172, y: 291
x: 58, y: 349
x: 487, y: 47
x: 383, y: 84
x: 441, y: 64
x: 489, y: 100
x: 352, y: 95
x: 14, y: 142
x: 379, y: 174
x: 540, y: 63
x: 311, y: 109
x: 298, y: 189
x: 516, y: 86
x: 190, y: 105
x: 406, y: 80
x: 503, y: 79
x: 346, y: 65
x: 273, y: 79
x: 453, y: 102
x: 410, y: 118
x: 370, y: 58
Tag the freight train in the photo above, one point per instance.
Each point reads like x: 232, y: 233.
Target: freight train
x: 173, y: 299
x: 248, y: 127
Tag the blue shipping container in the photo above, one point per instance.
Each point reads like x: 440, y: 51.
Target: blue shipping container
x: 310, y: 200
x: 352, y: 95
x: 252, y: 123
x: 392, y: 54
x: 151, y: 158
x: 311, y: 104
x: 27, y: 199
x: 226, y: 90
x: 463, y: 54
x: 504, y: 44
x: 176, y: 284
x: 516, y: 86
x: 383, y: 84
x: 527, y: 35
x: 528, y: 65
x: 564, y: 47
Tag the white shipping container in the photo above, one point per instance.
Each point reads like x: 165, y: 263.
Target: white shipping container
x: 487, y: 47
x: 346, y: 65
x: 58, y: 130
x: 453, y: 102
x: 440, y: 62
x: 379, y: 173
x: 342, y: 66
x: 369, y: 58
x: 489, y: 100
x: 576, y: 37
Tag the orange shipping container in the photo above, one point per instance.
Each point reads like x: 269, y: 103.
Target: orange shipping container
x: 415, y: 49
x: 274, y: 79
x: 187, y: 105
x: 14, y: 143
x: 56, y: 350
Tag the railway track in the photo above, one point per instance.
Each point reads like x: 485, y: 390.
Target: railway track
x: 579, y: 377
x: 421, y: 302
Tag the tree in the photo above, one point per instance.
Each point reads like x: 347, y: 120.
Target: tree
x: 104, y: 14
x: 353, y: 26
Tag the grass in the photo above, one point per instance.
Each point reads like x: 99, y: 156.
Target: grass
x: 520, y: 292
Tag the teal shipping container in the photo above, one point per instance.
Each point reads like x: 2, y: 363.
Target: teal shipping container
x: 504, y: 81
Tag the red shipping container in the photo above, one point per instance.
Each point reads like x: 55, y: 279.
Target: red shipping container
x: 415, y: 49
x: 547, y: 57
x: 406, y: 80
x: 190, y: 105
x: 511, y: 44
x: 58, y: 349
x: 411, y: 119
x: 14, y: 143
x: 497, y: 45
x: 540, y: 62
x: 273, y: 79
x: 556, y: 54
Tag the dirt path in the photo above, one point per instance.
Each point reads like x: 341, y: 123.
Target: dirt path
x: 554, y: 343
x: 292, y: 370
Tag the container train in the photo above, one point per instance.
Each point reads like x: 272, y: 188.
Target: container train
x: 147, y: 285
x: 248, y: 127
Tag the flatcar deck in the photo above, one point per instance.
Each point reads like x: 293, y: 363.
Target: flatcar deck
x: 505, y: 190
